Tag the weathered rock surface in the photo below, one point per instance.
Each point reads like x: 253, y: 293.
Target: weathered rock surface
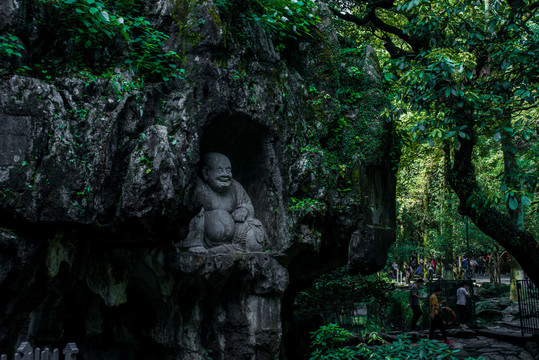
x: 97, y: 177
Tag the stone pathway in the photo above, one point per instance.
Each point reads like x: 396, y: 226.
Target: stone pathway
x: 489, y: 349
x: 487, y: 344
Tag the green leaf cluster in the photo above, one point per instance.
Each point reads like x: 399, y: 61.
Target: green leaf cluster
x: 288, y: 18
x: 114, y: 27
x: 326, y: 341
x: 403, y: 348
x: 10, y: 45
x: 284, y: 19
x: 307, y: 205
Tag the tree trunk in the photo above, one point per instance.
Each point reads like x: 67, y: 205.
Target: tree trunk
x: 494, y: 272
x: 448, y: 272
x: 498, y: 270
x: 517, y: 215
x: 516, y: 274
x: 521, y: 244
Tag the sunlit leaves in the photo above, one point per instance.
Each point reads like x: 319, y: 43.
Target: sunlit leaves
x: 288, y: 19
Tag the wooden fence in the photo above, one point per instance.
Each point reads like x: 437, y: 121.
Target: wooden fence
x: 26, y: 352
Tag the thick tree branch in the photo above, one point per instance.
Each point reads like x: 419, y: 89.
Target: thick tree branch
x: 371, y: 18
x: 521, y: 244
x: 349, y: 17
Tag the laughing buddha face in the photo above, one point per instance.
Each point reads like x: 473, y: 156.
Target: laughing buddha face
x: 217, y: 172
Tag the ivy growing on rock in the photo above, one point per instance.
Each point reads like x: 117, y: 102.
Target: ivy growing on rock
x: 346, y: 128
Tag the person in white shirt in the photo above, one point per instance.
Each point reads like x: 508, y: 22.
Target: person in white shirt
x: 463, y: 292
x: 473, y: 265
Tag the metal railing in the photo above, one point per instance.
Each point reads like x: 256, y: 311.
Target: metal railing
x: 352, y: 317
x: 25, y: 351
x: 449, y: 294
x: 528, y: 306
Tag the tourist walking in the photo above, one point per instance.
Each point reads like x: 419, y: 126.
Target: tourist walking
x: 395, y: 267
x: 464, y: 267
x: 473, y: 266
x: 436, y: 321
x: 430, y: 271
x: 463, y: 292
x: 419, y: 270
x: 481, y: 266
x: 414, y: 302
x: 407, y: 271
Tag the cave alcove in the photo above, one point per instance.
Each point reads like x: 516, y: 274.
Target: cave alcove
x: 248, y: 146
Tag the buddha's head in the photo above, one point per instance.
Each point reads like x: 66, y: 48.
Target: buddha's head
x: 217, y: 171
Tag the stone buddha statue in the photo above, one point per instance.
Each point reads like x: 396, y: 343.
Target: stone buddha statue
x: 226, y: 221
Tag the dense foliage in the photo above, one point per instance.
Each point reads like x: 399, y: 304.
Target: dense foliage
x: 362, y: 303
x: 93, y: 37
x: 328, y: 341
x: 283, y: 19
x: 288, y: 19
x: 340, y: 286
x: 429, y: 224
x: 465, y: 86
x: 10, y: 45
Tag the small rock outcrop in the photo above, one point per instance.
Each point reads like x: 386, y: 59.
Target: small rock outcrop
x: 98, y: 175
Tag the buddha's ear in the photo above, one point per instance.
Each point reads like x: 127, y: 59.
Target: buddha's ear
x: 205, y: 172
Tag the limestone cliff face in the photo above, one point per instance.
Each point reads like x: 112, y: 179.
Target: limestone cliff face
x: 97, y: 178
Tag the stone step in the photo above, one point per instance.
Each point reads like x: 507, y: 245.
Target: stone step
x: 505, y: 335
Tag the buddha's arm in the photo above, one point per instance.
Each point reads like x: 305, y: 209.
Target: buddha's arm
x: 244, y: 208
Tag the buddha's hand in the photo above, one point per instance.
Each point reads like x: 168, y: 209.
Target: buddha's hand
x: 240, y: 214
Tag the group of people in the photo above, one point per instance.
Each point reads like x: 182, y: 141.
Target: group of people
x: 417, y: 270
x: 435, y: 308
x: 465, y: 268
x: 476, y: 266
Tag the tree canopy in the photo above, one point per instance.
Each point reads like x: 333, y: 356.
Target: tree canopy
x: 464, y: 78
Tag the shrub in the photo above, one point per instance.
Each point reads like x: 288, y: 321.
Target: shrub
x: 326, y: 339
